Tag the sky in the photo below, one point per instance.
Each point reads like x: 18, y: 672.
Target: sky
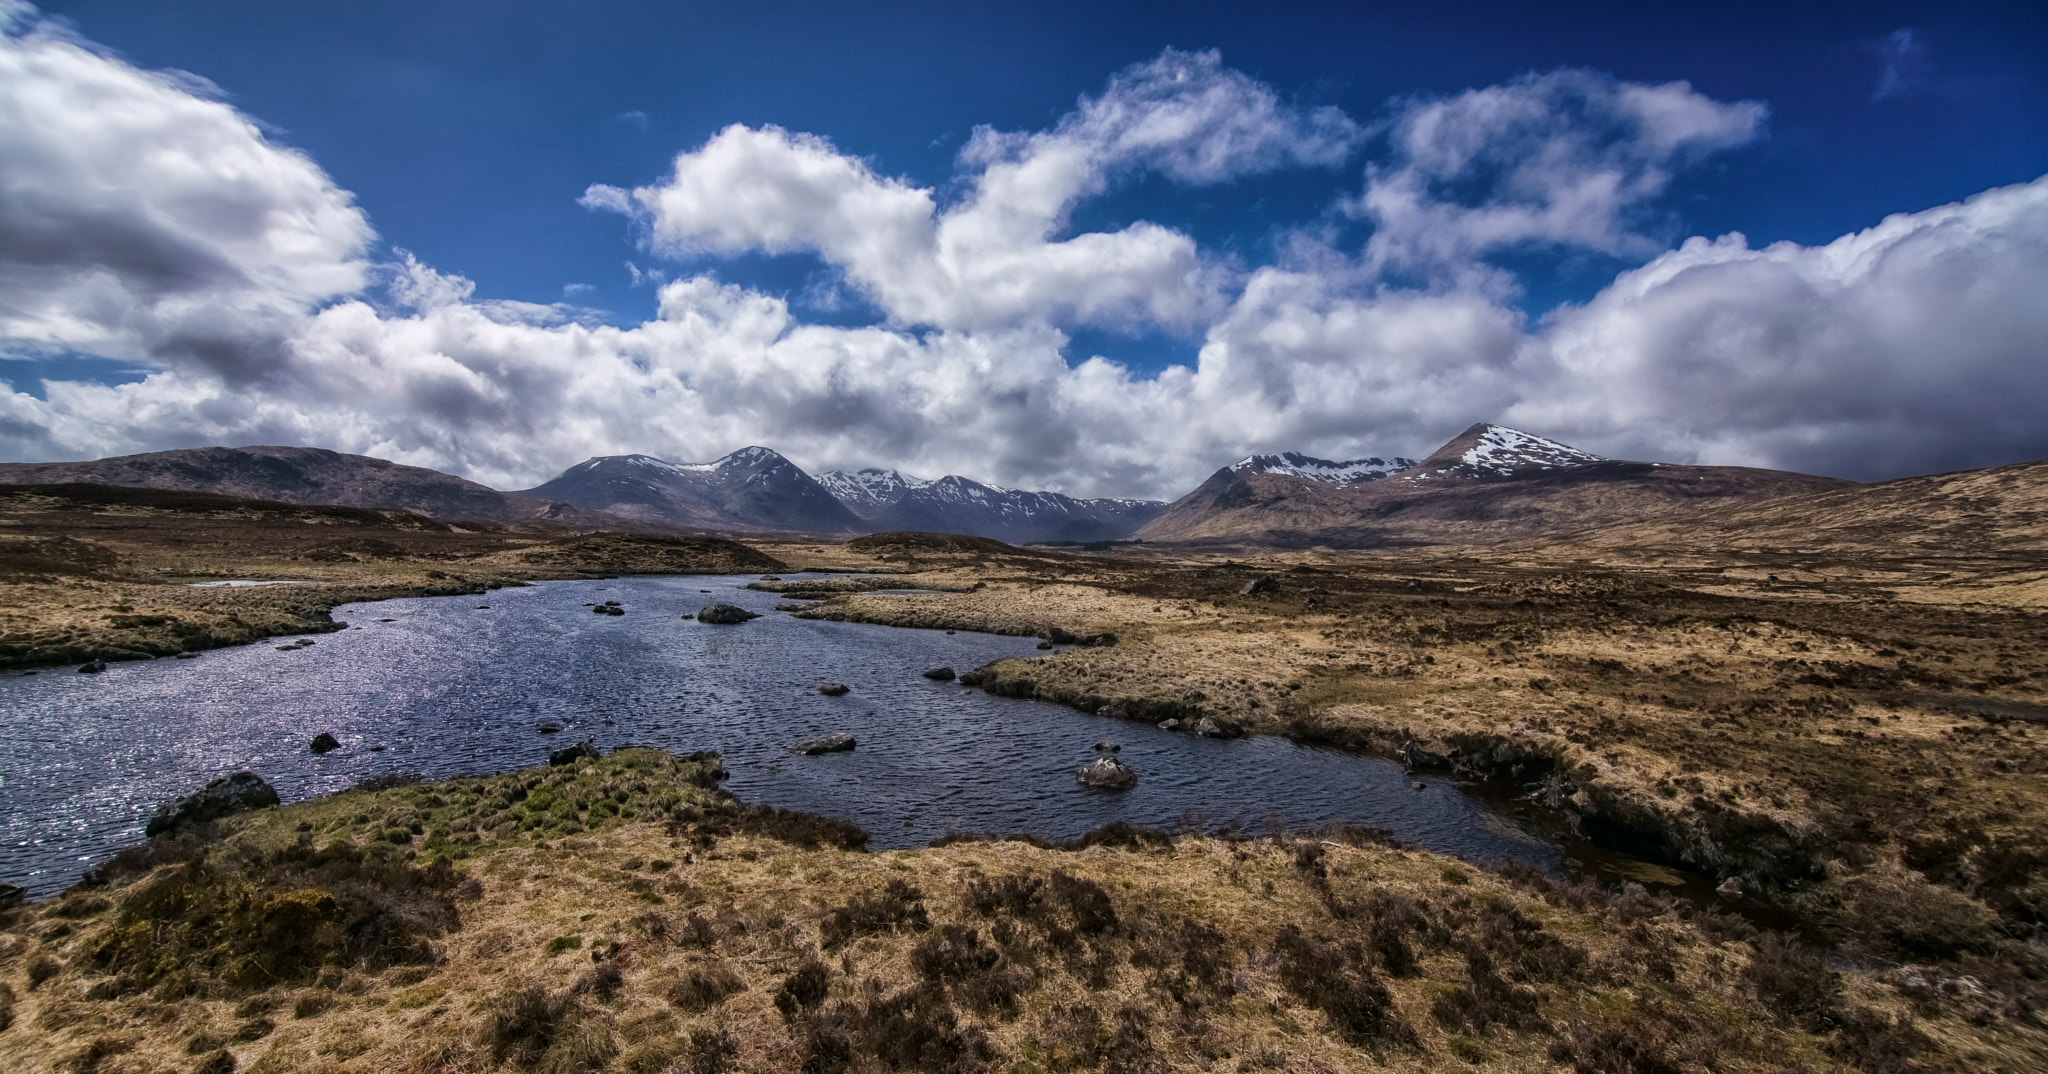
x: 1097, y: 248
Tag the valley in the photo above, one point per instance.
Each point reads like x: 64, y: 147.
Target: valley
x: 1826, y: 700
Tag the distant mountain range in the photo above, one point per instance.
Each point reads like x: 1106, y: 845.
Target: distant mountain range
x: 752, y: 490
x: 1489, y: 485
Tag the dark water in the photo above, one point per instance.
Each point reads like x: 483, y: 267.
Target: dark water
x: 449, y: 688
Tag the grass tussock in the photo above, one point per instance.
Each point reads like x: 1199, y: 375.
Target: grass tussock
x: 704, y: 942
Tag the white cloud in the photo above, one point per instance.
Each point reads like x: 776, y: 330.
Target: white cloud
x: 1917, y: 345
x: 992, y: 259
x: 164, y: 227
x: 143, y: 218
x: 1566, y: 158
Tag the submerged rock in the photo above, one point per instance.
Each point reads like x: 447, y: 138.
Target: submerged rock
x: 940, y: 674
x: 1107, y: 773
x: 226, y: 796
x: 834, y: 689
x: 725, y: 614
x: 324, y: 742
x: 838, y: 743
x: 573, y: 754
x: 548, y: 728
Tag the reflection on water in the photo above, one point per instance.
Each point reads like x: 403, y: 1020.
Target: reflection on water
x: 447, y: 687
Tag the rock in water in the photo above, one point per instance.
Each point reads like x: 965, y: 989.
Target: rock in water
x: 225, y: 796
x: 573, y: 754
x: 1261, y: 585
x: 940, y: 674
x: 833, y: 689
x: 92, y: 667
x: 1108, y: 773
x: 838, y: 743
x: 548, y: 728
x: 724, y: 614
x: 323, y: 742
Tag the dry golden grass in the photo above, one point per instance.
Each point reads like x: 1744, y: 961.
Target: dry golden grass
x: 673, y: 930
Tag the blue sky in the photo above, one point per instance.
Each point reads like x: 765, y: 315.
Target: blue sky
x: 469, y: 135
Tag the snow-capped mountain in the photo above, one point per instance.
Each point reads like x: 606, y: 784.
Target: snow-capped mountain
x: 954, y: 504
x: 752, y: 488
x: 1488, y: 452
x: 1295, y: 464
x: 869, y: 492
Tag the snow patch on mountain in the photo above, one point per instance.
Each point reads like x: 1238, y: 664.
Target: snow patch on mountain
x: 869, y: 491
x: 1295, y: 464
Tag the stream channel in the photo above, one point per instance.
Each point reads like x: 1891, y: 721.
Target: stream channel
x: 455, y: 685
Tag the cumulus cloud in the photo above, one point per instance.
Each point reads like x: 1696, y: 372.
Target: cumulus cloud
x: 1918, y: 345
x: 1567, y: 158
x: 145, y: 218
x: 141, y: 217
x: 992, y: 259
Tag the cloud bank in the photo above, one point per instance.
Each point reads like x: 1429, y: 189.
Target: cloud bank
x: 143, y: 218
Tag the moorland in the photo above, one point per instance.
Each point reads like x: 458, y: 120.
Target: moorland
x: 1833, y: 709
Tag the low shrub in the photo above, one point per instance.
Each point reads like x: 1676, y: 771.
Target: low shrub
x: 890, y: 909
x: 704, y: 987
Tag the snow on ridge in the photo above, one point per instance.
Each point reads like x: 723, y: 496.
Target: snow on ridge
x: 1505, y: 451
x: 1294, y: 464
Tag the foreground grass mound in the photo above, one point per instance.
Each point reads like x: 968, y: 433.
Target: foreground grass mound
x: 626, y: 915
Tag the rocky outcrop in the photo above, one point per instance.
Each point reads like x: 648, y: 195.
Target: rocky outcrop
x: 575, y: 754
x: 324, y: 742
x: 940, y: 674
x: 839, y: 743
x: 226, y: 796
x: 725, y: 614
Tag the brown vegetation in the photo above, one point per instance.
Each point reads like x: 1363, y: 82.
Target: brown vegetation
x: 627, y: 916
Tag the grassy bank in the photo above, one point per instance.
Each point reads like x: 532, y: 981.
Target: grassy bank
x: 625, y: 915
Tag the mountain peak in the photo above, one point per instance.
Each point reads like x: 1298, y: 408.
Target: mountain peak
x: 1490, y: 451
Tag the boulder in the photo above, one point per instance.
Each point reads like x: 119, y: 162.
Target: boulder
x: 1169, y: 724
x: 1260, y: 586
x: 1107, y: 746
x: 11, y: 896
x: 1098, y: 641
x: 725, y: 614
x: 92, y: 667
x: 226, y: 796
x: 1208, y: 728
x: 834, y: 689
x: 1107, y: 773
x: 1042, y: 645
x: 940, y: 674
x: 1731, y: 887
x: 573, y: 754
x: 1060, y: 637
x: 548, y: 728
x: 324, y: 742
x: 838, y: 743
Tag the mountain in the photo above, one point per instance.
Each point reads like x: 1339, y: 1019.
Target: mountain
x: 1489, y: 484
x: 1355, y: 472
x: 295, y: 475
x: 1487, y: 452
x: 751, y: 489
x: 871, y: 491
x: 1972, y: 513
x: 957, y: 505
